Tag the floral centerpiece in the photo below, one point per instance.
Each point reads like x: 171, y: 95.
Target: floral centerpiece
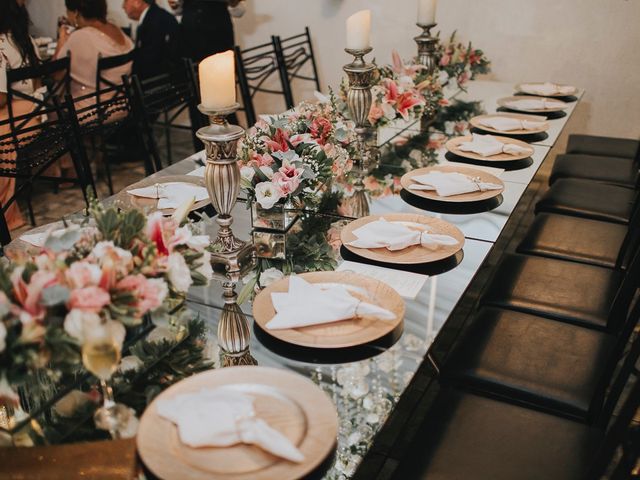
x: 399, y: 91
x: 112, y: 271
x: 287, y: 158
x: 461, y: 63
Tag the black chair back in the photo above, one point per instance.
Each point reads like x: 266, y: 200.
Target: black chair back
x: 160, y: 100
x: 54, y: 75
x: 293, y: 54
x: 109, y: 63
x: 256, y: 66
x: 27, y: 153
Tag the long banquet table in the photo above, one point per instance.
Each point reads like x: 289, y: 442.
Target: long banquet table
x: 382, y: 395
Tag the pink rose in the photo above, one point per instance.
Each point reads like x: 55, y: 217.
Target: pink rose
x: 149, y: 293
x: 262, y: 160
x: 375, y: 113
x: 91, y: 299
x: 83, y: 274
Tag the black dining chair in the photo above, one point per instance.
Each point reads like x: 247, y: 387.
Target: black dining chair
x: 54, y: 76
x: 159, y: 101
x: 610, y: 170
x: 259, y: 71
x: 583, y: 240
x: 589, y: 199
x: 469, y: 435
x: 584, y: 295
x: 41, y: 139
x: 610, y: 147
x: 293, y: 54
x: 557, y: 367
x: 104, y: 115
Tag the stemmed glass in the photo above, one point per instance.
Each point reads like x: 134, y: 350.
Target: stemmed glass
x: 101, y: 353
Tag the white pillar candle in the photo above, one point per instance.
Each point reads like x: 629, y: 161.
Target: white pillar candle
x: 218, y: 80
x: 359, y: 30
x: 427, y: 12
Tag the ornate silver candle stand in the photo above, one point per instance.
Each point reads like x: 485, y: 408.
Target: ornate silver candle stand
x: 222, y: 179
x: 427, y: 48
x: 360, y: 75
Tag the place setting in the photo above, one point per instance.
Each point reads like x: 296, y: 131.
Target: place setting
x: 403, y: 241
x: 164, y: 194
x: 490, y: 150
x: 328, y: 317
x: 528, y: 128
x: 452, y: 189
x: 566, y: 93
x: 244, y: 423
x: 551, y: 108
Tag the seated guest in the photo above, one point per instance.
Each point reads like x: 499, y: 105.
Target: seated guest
x: 157, y: 38
x: 16, y: 50
x: 93, y: 36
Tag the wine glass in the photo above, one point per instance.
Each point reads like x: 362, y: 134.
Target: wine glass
x: 101, y: 351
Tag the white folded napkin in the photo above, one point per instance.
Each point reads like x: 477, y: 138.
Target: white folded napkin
x: 547, y: 88
x: 488, y: 145
x: 506, y: 124
x: 398, y: 236
x: 308, y: 304
x: 447, y: 184
x: 222, y: 417
x: 172, y: 194
x: 535, y: 104
x: 37, y: 239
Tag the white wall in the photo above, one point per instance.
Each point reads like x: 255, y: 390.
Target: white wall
x: 594, y: 44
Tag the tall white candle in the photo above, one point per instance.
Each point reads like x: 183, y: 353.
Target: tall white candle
x: 427, y: 12
x: 218, y: 80
x: 359, y: 30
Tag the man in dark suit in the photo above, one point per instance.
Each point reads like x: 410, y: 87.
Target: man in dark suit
x: 158, y: 45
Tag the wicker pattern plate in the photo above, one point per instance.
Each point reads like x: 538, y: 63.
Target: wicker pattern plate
x: 414, y: 255
x: 486, y: 177
x: 346, y: 333
x: 503, y: 103
x: 475, y: 122
x: 288, y: 402
x: 453, y: 146
x: 127, y: 201
x: 521, y: 88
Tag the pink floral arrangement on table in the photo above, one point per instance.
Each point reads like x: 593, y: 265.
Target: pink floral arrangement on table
x: 461, y: 63
x: 114, y: 272
x: 400, y: 91
x: 287, y: 158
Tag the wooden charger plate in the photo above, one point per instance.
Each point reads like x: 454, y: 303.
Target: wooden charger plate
x: 342, y: 334
x: 288, y: 402
x: 475, y: 122
x: 486, y: 177
x: 453, y: 146
x: 414, y: 255
x: 127, y: 201
x: 520, y: 88
x: 503, y: 103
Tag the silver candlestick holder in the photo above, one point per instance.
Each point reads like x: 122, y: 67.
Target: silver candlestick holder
x: 360, y: 75
x: 427, y: 47
x: 234, y: 335
x: 222, y: 179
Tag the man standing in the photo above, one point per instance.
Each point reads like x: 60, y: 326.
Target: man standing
x: 158, y: 46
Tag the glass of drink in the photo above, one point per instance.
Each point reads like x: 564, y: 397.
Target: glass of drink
x: 101, y: 351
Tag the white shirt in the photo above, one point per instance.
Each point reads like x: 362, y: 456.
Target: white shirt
x: 142, y: 15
